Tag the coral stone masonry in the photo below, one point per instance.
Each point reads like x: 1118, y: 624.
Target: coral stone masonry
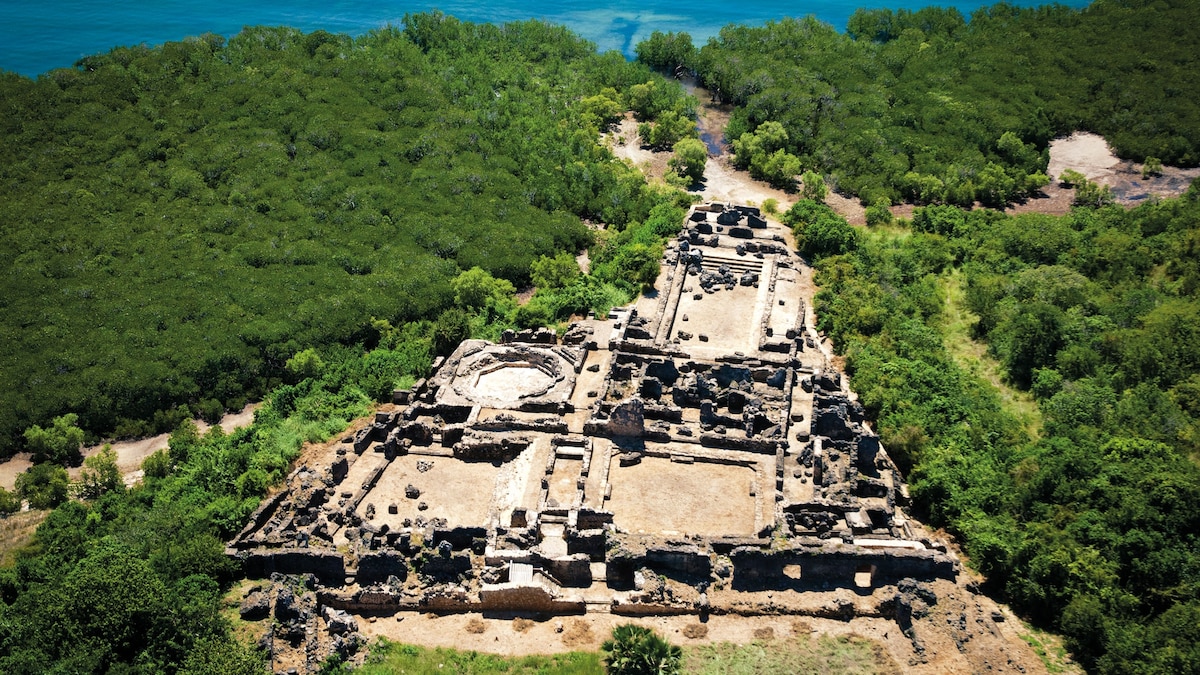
x: 674, y: 457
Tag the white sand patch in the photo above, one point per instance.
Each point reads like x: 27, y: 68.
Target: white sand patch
x: 1084, y: 152
x: 1091, y: 155
x: 13, y: 467
x: 626, y: 144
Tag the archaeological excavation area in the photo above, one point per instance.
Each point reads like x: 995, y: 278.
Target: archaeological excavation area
x: 695, y: 453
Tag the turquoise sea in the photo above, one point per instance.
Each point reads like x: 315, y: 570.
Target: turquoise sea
x: 39, y: 36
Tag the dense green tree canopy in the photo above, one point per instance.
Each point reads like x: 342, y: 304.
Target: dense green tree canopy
x: 1089, y: 522
x: 182, y: 220
x: 927, y: 106
x: 690, y: 157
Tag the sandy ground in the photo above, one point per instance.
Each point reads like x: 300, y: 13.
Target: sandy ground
x: 1086, y: 153
x: 705, y: 498
x: 130, y: 454
x: 1090, y: 155
x: 625, y: 144
x: 10, y: 469
x: 554, y: 635
x: 725, y: 184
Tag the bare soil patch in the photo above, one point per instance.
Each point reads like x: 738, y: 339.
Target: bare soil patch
x: 1084, y: 152
x: 658, y: 495
x: 725, y: 184
x: 626, y: 144
x: 562, y: 482
x: 15, y: 466
x: 1090, y: 155
x: 578, y: 634
x: 729, y: 330
x: 449, y: 488
x: 985, y: 646
x: 131, y: 454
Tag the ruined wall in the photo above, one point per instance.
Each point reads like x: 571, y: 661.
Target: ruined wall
x: 512, y: 598
x: 757, y: 569
x: 327, y: 566
x: 571, y: 571
x: 377, y: 566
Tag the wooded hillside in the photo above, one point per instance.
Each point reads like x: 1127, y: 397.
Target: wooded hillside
x: 1085, y: 514
x: 178, y: 222
x: 935, y: 107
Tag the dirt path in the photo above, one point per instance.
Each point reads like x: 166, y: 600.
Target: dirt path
x: 130, y: 454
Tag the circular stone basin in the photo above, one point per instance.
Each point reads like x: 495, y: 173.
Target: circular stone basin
x: 512, y: 381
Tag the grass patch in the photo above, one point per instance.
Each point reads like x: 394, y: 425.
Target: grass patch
x: 971, y: 355
x: 827, y: 655
x: 244, y: 632
x: 388, y: 658
x: 1050, y: 650
x: 16, y: 532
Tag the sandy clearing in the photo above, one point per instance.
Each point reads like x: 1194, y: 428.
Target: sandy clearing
x: 1084, y: 152
x: 1091, y: 155
x: 958, y: 636
x: 725, y: 184
x: 626, y: 144
x: 9, y: 470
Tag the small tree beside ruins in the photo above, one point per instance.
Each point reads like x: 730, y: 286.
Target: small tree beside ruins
x: 689, y: 159
x: 637, y: 650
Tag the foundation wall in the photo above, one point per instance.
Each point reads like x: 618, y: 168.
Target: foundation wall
x: 328, y: 567
x: 758, y: 570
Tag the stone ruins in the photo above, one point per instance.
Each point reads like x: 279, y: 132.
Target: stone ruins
x: 677, y: 457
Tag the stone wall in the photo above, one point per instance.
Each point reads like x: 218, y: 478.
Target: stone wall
x: 514, y: 598
x: 327, y: 566
x: 833, y: 566
x: 376, y: 566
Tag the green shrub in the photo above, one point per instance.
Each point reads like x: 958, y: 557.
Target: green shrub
x: 43, y: 485
x: 637, y: 650
x: 878, y: 214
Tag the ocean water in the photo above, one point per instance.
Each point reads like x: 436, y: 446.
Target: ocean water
x: 38, y: 36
